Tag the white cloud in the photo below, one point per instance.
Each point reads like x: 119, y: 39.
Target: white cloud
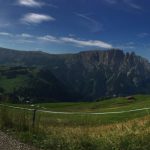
x: 5, y: 34
x: 25, y: 37
x: 30, y: 3
x: 135, y: 6
x: 85, y: 17
x: 91, y: 23
x: 48, y: 38
x: 130, y: 3
x: 76, y: 42
x: 91, y: 43
x: 22, y: 36
x: 36, y: 18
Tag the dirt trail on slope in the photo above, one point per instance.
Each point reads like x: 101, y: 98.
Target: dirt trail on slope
x: 8, y: 143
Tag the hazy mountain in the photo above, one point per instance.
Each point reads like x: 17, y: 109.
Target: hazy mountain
x: 87, y: 75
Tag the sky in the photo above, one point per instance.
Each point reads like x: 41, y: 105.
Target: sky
x: 70, y: 26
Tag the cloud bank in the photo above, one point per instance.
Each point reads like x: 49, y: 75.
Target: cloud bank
x: 61, y: 40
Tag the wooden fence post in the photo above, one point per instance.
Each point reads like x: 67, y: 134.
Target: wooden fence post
x: 33, y: 119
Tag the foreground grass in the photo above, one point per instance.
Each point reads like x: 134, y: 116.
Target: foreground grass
x: 129, y: 131
x: 131, y: 135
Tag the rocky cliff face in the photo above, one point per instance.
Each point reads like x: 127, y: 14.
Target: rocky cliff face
x: 95, y: 74
x: 91, y: 74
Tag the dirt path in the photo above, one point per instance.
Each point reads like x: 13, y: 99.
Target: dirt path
x: 7, y: 143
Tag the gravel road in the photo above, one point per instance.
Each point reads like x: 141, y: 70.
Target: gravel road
x: 8, y: 143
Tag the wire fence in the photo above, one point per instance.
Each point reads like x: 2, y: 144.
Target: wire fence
x: 54, y: 117
x: 78, y: 113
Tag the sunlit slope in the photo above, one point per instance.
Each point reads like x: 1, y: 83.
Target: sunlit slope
x: 114, y: 104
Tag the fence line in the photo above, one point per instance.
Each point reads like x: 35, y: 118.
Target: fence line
x: 78, y: 113
x: 21, y: 108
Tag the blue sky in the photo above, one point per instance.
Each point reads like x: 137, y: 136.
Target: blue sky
x: 70, y: 26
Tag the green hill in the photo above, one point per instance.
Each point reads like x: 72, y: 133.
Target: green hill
x: 21, y: 84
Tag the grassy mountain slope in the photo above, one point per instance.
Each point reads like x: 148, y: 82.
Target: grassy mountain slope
x: 30, y: 84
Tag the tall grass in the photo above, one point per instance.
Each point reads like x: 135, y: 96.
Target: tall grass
x: 55, y: 132
x: 16, y: 119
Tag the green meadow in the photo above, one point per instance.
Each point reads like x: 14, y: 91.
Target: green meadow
x: 80, y: 129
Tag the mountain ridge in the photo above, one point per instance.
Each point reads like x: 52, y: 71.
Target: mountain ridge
x: 90, y: 74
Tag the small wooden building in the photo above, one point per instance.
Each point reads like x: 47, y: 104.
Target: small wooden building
x: 131, y: 98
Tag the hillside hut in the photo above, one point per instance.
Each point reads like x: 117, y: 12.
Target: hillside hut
x: 131, y: 98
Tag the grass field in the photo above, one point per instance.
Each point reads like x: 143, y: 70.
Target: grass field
x: 130, y: 130
x: 114, y: 104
